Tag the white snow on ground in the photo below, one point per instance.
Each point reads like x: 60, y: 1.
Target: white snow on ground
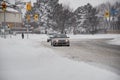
x: 96, y: 36
x: 28, y: 59
x: 115, y: 41
x: 115, y: 37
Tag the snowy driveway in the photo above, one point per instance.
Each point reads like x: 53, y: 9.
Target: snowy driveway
x: 28, y: 59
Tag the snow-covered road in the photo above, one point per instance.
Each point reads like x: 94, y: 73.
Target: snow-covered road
x: 28, y: 59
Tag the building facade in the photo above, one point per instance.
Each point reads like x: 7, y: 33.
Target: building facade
x: 13, y: 19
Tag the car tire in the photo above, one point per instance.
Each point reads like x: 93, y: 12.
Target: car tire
x: 51, y: 44
x: 68, y: 45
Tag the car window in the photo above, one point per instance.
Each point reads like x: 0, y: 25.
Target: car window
x: 51, y: 35
x: 61, y: 36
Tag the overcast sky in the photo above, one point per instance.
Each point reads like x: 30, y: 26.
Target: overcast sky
x: 76, y: 3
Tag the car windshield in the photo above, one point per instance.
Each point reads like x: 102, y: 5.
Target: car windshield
x: 51, y: 34
x: 61, y: 36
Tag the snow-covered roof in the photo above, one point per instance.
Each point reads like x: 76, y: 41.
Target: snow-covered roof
x: 10, y: 10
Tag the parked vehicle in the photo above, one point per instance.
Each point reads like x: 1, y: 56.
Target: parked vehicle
x: 60, y: 39
x: 50, y: 36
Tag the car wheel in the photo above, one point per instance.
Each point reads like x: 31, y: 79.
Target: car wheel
x: 68, y: 45
x: 51, y: 44
x: 54, y: 44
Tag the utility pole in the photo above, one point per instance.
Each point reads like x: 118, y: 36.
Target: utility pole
x: 4, y: 25
x: 4, y: 6
x: 28, y: 8
x: 27, y: 29
x: 109, y: 17
x: 28, y: 20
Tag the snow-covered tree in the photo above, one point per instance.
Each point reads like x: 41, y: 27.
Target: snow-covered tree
x: 62, y: 16
x: 86, y: 19
x: 80, y: 17
x: 112, y: 22
x: 44, y: 9
x: 115, y: 16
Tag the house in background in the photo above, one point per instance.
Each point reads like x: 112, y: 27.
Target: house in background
x: 13, y: 20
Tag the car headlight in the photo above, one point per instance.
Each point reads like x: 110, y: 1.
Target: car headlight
x: 56, y: 40
x: 66, y: 40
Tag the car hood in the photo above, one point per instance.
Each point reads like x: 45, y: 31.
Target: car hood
x: 60, y: 38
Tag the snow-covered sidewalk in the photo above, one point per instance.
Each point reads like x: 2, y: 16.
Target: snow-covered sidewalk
x: 28, y: 59
x: 115, y: 38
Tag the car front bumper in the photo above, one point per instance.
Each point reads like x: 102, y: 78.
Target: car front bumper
x: 62, y: 43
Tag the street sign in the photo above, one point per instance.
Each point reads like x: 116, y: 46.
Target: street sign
x: 28, y: 6
x: 113, y: 12
x: 107, y: 14
x: 4, y: 6
x: 36, y: 17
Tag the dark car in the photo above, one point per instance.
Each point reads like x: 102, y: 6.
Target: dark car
x: 50, y: 36
x: 60, y: 39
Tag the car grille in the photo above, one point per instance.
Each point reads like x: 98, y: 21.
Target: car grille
x: 62, y: 41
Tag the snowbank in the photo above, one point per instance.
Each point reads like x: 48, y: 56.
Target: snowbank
x: 96, y: 36
x: 115, y: 37
x: 115, y: 41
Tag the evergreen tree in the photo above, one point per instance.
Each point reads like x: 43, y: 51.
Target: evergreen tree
x: 80, y: 16
x: 62, y: 17
x: 44, y: 8
x: 86, y: 19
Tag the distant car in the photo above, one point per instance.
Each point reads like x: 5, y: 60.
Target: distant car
x: 60, y: 39
x: 50, y: 36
